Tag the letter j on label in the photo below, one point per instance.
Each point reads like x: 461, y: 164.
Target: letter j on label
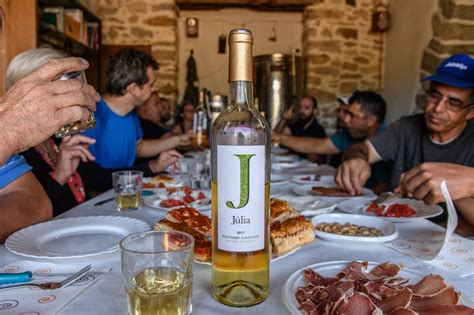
x: 244, y: 181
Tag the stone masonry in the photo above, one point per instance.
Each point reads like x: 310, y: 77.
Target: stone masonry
x: 145, y: 22
x: 341, y: 53
x: 453, y: 32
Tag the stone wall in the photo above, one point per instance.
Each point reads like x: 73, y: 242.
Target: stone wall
x: 341, y: 52
x: 453, y: 32
x: 145, y: 22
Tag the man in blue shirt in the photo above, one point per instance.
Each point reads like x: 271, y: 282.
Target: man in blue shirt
x: 363, y: 117
x: 130, y: 81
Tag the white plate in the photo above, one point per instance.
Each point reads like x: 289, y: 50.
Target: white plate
x: 285, y: 158
x: 306, y: 190
x: 155, y: 200
x: 331, y: 268
x: 73, y: 237
x: 309, y: 205
x: 279, y: 179
x: 423, y: 211
x: 282, y: 166
x: 388, y: 229
x: 209, y: 263
x: 175, y: 183
x: 309, y: 179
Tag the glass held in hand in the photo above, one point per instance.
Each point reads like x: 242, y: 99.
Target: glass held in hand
x: 128, y: 188
x: 157, y: 267
x: 77, y: 126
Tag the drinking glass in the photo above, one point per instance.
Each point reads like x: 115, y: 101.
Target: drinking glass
x: 158, y: 270
x: 128, y: 189
x: 77, y: 126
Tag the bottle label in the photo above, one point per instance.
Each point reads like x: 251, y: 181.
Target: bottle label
x: 241, y: 198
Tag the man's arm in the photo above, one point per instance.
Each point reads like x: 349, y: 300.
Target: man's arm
x: 465, y: 208
x: 306, y: 144
x: 353, y: 173
x: 153, y: 147
x: 22, y: 203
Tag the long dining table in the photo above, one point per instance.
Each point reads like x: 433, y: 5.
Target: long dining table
x: 107, y: 296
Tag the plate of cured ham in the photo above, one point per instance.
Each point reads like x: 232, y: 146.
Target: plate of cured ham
x: 344, y: 287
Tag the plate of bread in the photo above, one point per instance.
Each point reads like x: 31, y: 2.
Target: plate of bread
x: 161, y: 181
x: 288, y: 230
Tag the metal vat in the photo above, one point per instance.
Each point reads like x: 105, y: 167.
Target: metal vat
x: 278, y: 80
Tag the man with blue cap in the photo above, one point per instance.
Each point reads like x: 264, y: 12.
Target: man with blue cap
x: 444, y: 133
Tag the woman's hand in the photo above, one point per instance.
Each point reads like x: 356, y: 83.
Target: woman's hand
x: 71, y: 151
x: 166, y: 159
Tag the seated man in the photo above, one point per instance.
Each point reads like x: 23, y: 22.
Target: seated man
x: 306, y: 124
x: 32, y: 111
x: 118, y: 133
x: 362, y: 118
x: 164, y: 107
x: 150, y: 118
x: 443, y: 133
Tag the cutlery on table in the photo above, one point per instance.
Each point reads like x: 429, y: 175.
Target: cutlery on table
x: 53, y: 285
x: 103, y: 201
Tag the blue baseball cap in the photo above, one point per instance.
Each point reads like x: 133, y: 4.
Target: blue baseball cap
x: 457, y: 71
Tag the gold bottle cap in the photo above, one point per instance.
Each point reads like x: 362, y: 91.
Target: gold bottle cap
x: 240, y: 55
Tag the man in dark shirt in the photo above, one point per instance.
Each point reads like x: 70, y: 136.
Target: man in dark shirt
x: 444, y: 133
x: 306, y: 124
x: 362, y: 118
x: 150, y: 118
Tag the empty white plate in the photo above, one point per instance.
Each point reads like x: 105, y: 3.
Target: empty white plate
x: 73, y: 237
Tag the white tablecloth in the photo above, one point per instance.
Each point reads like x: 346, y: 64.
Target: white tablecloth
x: 107, y: 296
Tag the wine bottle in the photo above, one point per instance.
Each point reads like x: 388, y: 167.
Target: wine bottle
x: 200, y: 140
x: 240, y: 154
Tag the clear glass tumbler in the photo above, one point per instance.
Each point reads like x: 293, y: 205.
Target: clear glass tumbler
x: 158, y: 270
x: 128, y: 189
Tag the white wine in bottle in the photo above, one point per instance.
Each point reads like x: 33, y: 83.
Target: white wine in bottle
x: 240, y: 153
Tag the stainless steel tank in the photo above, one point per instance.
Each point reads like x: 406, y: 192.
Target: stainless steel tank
x: 278, y: 79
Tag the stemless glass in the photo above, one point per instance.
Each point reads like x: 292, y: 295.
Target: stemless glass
x: 77, y: 126
x: 157, y: 267
x: 128, y: 189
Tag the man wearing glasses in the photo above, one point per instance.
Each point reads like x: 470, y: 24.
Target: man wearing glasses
x: 444, y: 133
x: 361, y: 118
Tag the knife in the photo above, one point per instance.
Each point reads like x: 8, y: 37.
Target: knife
x: 15, y: 277
x: 103, y: 201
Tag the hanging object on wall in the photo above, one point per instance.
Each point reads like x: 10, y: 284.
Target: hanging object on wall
x: 222, y: 44
x: 192, y: 27
x: 380, y: 19
x: 273, y: 38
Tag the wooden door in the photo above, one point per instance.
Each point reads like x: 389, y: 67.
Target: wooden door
x: 107, y: 51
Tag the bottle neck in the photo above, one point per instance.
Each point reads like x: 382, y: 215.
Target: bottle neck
x: 241, y: 95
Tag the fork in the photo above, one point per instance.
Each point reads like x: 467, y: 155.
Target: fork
x: 53, y: 285
x: 384, y: 197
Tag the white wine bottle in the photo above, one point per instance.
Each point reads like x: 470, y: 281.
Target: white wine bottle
x: 240, y: 152
x: 200, y: 140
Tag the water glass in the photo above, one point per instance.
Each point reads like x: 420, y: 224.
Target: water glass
x: 157, y: 267
x: 128, y: 188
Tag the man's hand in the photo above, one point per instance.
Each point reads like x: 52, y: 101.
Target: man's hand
x: 71, y: 151
x: 352, y: 175
x: 37, y: 106
x: 185, y: 139
x: 288, y: 114
x: 276, y: 137
x: 166, y: 159
x: 423, y: 182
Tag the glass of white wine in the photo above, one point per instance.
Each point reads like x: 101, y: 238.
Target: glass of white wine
x: 128, y: 189
x: 158, y: 271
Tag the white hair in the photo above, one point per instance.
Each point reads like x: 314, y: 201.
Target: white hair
x: 29, y: 61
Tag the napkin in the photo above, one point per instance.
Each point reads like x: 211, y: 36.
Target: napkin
x: 31, y: 300
x: 441, y: 248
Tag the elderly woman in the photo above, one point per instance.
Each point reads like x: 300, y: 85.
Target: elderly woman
x: 65, y: 170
